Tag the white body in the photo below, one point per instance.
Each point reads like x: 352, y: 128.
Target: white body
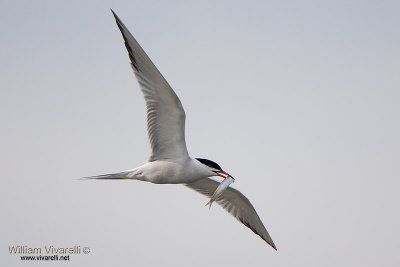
x: 170, y: 171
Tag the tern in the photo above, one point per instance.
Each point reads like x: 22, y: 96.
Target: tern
x: 169, y: 161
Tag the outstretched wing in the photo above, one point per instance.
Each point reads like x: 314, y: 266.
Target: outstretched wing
x: 236, y: 204
x: 165, y: 114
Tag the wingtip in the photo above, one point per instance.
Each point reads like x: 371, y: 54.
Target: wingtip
x: 272, y: 244
x: 114, y: 14
x: 269, y: 242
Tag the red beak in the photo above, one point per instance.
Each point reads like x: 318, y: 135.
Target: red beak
x: 221, y: 174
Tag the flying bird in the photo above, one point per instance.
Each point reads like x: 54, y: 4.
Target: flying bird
x: 169, y: 161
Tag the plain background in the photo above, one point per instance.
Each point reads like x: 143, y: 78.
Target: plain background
x: 298, y: 100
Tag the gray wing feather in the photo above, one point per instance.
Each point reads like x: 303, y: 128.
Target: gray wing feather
x: 165, y: 114
x: 236, y: 204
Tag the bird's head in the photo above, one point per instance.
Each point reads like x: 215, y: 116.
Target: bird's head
x: 214, y: 167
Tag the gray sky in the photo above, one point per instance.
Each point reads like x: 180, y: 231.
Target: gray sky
x: 298, y: 100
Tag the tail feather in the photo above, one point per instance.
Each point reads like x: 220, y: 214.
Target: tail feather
x: 110, y: 176
x: 134, y: 174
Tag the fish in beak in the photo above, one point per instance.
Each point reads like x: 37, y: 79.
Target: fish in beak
x: 221, y: 188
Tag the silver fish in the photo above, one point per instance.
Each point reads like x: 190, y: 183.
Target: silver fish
x: 222, y: 186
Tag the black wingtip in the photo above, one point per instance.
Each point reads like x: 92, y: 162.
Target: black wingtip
x: 125, y: 31
x: 115, y: 15
x: 271, y: 243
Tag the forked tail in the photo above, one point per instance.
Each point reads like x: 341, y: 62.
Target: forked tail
x: 134, y: 174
